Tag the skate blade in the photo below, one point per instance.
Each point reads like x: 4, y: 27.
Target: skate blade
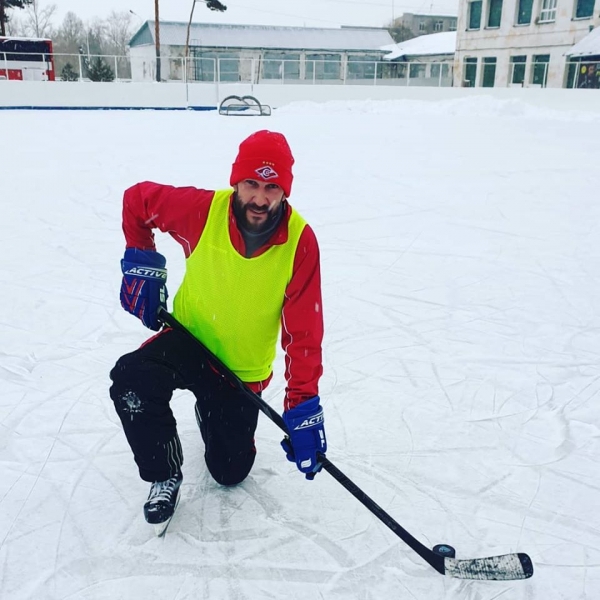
x: 161, y: 528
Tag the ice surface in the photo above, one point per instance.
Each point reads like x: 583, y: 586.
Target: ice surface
x: 461, y: 279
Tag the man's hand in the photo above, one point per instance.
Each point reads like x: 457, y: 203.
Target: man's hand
x: 307, y: 436
x: 144, y: 288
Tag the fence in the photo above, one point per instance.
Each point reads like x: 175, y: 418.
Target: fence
x: 350, y: 71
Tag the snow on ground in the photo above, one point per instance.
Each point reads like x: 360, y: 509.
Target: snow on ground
x: 461, y: 274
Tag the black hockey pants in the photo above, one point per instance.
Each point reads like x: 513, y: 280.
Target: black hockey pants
x: 143, y: 384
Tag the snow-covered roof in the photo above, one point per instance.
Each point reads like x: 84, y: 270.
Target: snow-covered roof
x: 10, y: 38
x: 424, y: 45
x: 588, y: 46
x: 263, y: 36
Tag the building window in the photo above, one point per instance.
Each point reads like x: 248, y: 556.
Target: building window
x: 438, y: 26
x: 489, y: 71
x: 585, y: 9
x: 323, y: 66
x: 525, y: 12
x: 440, y: 70
x: 229, y: 67
x: 203, y: 69
x: 548, y: 12
x: 587, y: 74
x: 213, y: 65
x: 517, y: 67
x: 452, y: 26
x: 571, y: 73
x: 539, y: 74
x: 495, y: 13
x: 417, y: 70
x: 363, y: 67
x: 281, y: 65
x: 422, y: 26
x: 470, y: 72
x: 475, y: 14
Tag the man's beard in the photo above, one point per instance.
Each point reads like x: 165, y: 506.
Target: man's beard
x: 241, y: 214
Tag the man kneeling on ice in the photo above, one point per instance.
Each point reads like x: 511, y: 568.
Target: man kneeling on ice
x: 252, y: 268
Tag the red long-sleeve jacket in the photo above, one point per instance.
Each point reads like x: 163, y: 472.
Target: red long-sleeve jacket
x: 182, y: 212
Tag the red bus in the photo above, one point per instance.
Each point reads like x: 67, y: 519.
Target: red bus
x: 26, y: 59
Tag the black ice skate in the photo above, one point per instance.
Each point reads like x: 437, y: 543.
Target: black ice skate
x: 162, y: 502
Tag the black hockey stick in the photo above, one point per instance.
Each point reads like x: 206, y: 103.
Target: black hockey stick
x: 504, y: 567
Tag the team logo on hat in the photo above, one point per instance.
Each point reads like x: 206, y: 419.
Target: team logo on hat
x: 267, y: 172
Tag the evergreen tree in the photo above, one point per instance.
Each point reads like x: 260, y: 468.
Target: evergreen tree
x: 99, y: 71
x: 68, y: 73
x: 6, y: 5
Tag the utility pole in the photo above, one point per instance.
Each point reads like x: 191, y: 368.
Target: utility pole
x: 157, y: 37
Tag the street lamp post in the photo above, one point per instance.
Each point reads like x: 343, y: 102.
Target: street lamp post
x: 137, y: 16
x: 212, y: 5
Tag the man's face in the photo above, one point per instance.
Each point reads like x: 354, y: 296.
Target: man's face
x: 257, y: 203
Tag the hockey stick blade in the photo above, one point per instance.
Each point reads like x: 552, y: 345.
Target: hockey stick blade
x: 507, y: 567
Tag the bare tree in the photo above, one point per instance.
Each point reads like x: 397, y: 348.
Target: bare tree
x: 399, y: 32
x: 68, y: 43
x: 95, y: 37
x: 70, y: 35
x: 118, y: 31
x: 15, y: 27
x: 38, y: 20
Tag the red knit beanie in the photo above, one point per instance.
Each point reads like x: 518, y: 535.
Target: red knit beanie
x: 265, y: 155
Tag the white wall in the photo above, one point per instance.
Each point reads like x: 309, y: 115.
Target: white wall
x: 510, y: 39
x: 34, y: 94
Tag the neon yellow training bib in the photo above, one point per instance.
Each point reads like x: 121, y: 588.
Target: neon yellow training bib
x: 233, y: 304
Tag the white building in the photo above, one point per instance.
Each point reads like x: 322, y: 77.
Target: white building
x: 427, y: 58
x: 504, y: 43
x: 257, y: 53
x: 425, y: 24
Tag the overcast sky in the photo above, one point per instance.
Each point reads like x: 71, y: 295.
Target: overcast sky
x: 311, y: 13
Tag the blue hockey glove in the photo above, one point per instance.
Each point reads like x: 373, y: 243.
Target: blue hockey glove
x: 144, y: 289
x: 306, y: 436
